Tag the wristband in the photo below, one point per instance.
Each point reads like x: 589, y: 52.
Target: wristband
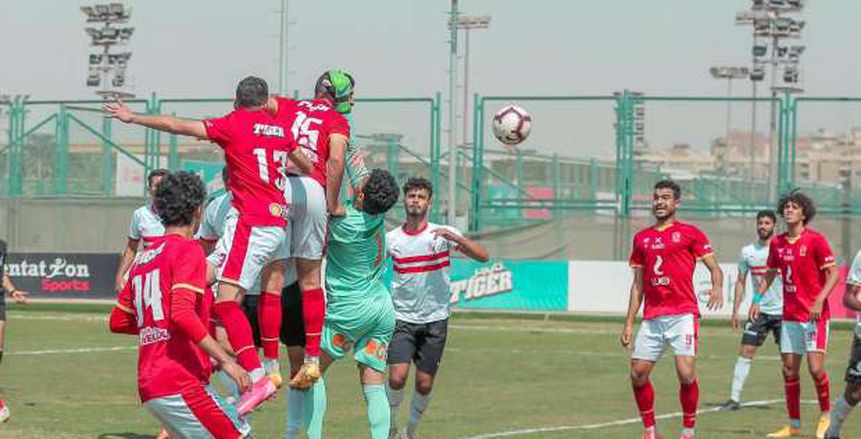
x: 757, y: 297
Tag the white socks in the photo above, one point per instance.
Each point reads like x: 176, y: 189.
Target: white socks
x: 739, y: 375
x: 417, y: 409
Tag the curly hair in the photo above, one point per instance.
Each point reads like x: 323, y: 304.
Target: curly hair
x: 808, y: 207
x: 381, y: 192
x: 155, y: 173
x: 418, y: 183
x: 178, y: 196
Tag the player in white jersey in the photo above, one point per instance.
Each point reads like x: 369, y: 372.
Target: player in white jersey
x: 753, y: 261
x: 145, y: 225
x: 421, y: 292
x: 852, y: 395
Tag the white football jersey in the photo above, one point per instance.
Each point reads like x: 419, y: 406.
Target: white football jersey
x: 754, y: 260
x: 854, y: 278
x: 146, y: 225
x: 421, y: 284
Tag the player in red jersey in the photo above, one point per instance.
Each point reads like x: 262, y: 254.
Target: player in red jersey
x: 256, y: 148
x: 663, y: 258
x: 166, y: 303
x: 322, y: 134
x: 807, y: 268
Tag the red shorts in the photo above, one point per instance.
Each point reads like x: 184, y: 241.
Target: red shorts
x: 244, y: 249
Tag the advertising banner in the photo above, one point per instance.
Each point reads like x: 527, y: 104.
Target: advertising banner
x: 64, y: 275
x: 510, y: 285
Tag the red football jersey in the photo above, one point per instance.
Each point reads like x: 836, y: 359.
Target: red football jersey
x: 802, y: 264
x: 668, y: 258
x: 311, y: 123
x: 256, y: 148
x: 168, y: 361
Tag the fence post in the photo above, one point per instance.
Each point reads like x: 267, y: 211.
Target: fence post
x: 435, y: 153
x: 477, y: 162
x: 61, y: 153
x: 556, y: 184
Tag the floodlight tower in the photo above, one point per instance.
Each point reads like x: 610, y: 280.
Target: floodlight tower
x: 107, y: 70
x: 774, y: 21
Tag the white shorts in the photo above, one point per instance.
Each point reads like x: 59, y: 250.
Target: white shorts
x: 681, y: 332
x: 244, y: 250
x: 307, y: 217
x: 803, y: 337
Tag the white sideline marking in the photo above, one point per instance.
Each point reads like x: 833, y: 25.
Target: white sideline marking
x: 60, y: 317
x: 611, y: 423
x: 585, y: 331
x: 73, y: 351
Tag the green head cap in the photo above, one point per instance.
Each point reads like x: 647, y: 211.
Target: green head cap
x: 339, y: 84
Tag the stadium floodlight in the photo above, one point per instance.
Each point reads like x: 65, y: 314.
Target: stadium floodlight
x: 126, y: 33
x: 116, y: 9
x: 757, y: 73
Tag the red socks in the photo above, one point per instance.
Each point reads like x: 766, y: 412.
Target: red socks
x: 269, y: 317
x: 239, y: 334
x: 823, y: 393
x: 313, y: 314
x: 793, y: 397
x: 645, y: 396
x: 689, y: 396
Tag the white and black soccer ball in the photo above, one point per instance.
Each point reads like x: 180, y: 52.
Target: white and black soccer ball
x: 511, y: 125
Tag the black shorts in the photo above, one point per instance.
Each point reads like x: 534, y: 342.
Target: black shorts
x: 421, y: 343
x: 292, y: 325
x: 756, y: 332
x: 853, y: 370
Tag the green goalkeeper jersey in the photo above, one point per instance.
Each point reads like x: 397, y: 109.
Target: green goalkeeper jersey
x: 355, y: 261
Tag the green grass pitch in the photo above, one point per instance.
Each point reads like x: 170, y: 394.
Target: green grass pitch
x: 65, y: 376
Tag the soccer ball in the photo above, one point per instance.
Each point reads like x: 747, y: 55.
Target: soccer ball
x: 511, y: 125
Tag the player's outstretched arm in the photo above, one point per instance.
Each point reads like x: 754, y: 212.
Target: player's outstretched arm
x: 472, y: 249
x: 716, y: 293
x: 633, y: 306
x: 168, y: 124
x: 335, y: 171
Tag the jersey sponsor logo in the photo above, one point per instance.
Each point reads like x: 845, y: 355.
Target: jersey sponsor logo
x: 278, y: 210
x: 485, y: 281
x: 658, y: 244
x: 148, y: 255
x: 377, y: 349
x: 659, y: 279
x: 802, y: 251
x: 787, y: 281
x: 314, y: 107
x: 262, y: 129
x: 150, y: 335
x: 677, y: 237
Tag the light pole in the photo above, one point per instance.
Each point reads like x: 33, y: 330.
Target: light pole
x: 467, y: 23
x: 108, y: 70
x: 774, y: 21
x: 452, y: 86
x: 729, y: 73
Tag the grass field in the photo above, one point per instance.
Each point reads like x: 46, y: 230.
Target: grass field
x: 65, y: 376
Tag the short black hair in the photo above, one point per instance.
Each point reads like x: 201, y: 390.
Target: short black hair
x: 766, y: 213
x: 808, y: 207
x: 251, y: 92
x: 381, y: 192
x: 161, y: 172
x: 670, y: 184
x: 418, y: 183
x: 178, y: 196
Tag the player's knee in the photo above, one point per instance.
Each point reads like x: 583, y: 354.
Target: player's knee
x: 817, y: 371
x: 396, y: 382
x: 424, y: 387
x: 789, y: 373
x: 639, y: 377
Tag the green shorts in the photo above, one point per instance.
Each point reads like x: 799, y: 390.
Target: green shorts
x: 367, y: 329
